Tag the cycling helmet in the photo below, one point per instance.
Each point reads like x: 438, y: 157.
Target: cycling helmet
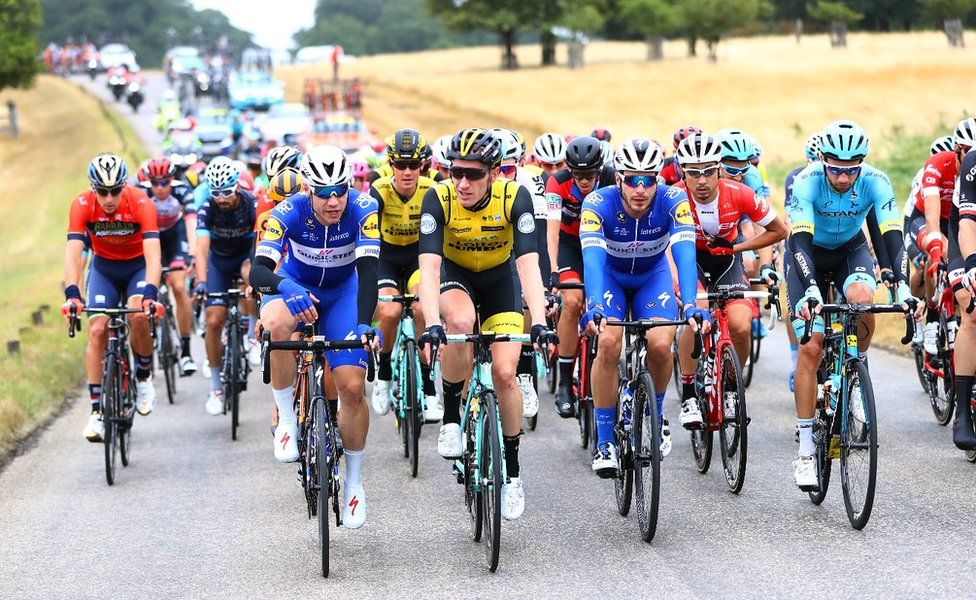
x: 965, y: 133
x: 520, y: 139
x: 426, y: 152
x: 475, y: 144
x: 360, y: 168
x: 440, y: 150
x: 405, y: 143
x: 942, y: 144
x: 757, y: 150
x: 844, y: 140
x: 550, y: 148
x: 141, y: 174
x: 510, y: 144
x: 687, y: 130
x: 107, y: 170
x: 326, y: 165
x: 286, y: 183
x: 639, y: 155
x: 160, y: 168
x: 280, y: 157
x: 698, y: 149
x: 601, y: 134
x: 584, y: 153
x: 606, y: 151
x: 222, y: 173
x: 735, y: 144
x: 812, y: 147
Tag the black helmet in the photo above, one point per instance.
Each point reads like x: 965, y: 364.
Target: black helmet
x: 583, y: 153
x: 406, y: 144
x: 475, y: 144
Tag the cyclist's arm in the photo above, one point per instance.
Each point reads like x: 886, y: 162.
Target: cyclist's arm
x: 375, y: 194
x: 72, y: 262
x: 431, y: 252
x: 773, y: 229
x: 931, y: 199
x: 527, y: 256
x: 594, y: 244
x: 201, y: 254
x: 877, y: 240
x: 889, y: 224
x: 152, y: 252
x: 367, y: 262
x: 683, y: 250
x: 554, y: 203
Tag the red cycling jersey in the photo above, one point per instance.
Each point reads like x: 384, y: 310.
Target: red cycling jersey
x: 117, y: 236
x: 561, y: 190
x: 939, y: 175
x: 721, y: 217
x: 669, y: 173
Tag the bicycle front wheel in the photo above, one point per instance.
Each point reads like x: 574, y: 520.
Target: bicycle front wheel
x: 170, y: 354
x: 701, y: 439
x: 472, y: 497
x: 234, y: 342
x: 735, y: 421
x: 942, y: 390
x: 623, y: 483
x: 859, y: 445
x: 415, y: 414
x: 491, y: 477
x: 321, y: 471
x: 823, y: 425
x: 646, y: 456
x: 111, y: 402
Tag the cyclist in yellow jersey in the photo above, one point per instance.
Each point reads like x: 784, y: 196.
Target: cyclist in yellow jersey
x: 476, y: 231
x: 399, y: 197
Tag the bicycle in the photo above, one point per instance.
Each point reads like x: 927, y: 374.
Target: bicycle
x: 720, y: 391
x: 481, y: 467
x: 235, y: 368
x: 118, y: 398
x: 318, y: 441
x: 580, y: 388
x: 168, y: 345
x: 407, y: 385
x: 637, y: 429
x: 938, y: 370
x: 845, y: 383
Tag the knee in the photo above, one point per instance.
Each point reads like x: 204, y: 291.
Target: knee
x: 572, y: 303
x: 215, y: 320
x: 608, y: 350
x: 459, y: 322
x: 812, y: 351
x: 388, y: 312
x: 98, y: 331
x: 138, y: 321
x: 503, y: 375
x: 859, y: 294
x: 740, y: 328
x: 351, y: 392
x: 658, y: 351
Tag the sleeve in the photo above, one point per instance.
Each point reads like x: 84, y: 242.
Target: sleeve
x: 877, y: 240
x: 523, y: 219
x: 432, y: 224
x: 203, y: 220
x: 801, y: 223
x: 272, y: 244
x: 77, y: 220
x: 757, y: 209
x: 931, y: 176
x: 186, y: 199
x: 683, y: 247
x: 263, y: 277
x: 540, y: 204
x: 368, y: 238
x: 379, y: 206
x: 967, y: 187
x: 889, y: 223
x: 594, y: 244
x: 146, y: 214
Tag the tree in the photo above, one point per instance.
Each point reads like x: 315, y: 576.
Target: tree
x: 19, y: 22
x: 654, y: 20
x: 503, y: 17
x: 709, y: 20
x: 548, y: 13
x: 950, y: 13
x: 583, y: 19
x: 839, y: 16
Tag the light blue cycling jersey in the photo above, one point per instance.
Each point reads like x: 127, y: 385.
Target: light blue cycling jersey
x: 753, y: 179
x: 201, y: 194
x: 834, y: 219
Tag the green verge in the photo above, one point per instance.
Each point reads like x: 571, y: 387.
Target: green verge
x: 62, y: 128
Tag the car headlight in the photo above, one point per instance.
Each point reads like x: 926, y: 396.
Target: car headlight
x: 176, y: 158
x: 190, y: 158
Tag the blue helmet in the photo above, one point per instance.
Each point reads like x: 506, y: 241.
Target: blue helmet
x: 844, y: 140
x: 107, y: 170
x: 812, y: 147
x: 735, y: 144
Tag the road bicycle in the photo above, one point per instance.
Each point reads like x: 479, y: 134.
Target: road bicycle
x: 235, y: 368
x: 406, y: 389
x: 580, y: 389
x: 168, y: 344
x: 938, y: 370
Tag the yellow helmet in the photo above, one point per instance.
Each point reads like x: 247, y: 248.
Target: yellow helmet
x: 285, y: 184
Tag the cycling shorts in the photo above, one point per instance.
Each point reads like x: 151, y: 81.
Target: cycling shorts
x: 570, y: 257
x: 398, y: 265
x: 495, y: 292
x: 650, y: 295
x: 173, y: 244
x: 222, y: 272
x: 111, y: 283
x: 723, y: 272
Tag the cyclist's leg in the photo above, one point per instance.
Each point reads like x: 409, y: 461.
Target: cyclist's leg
x: 686, y: 340
x: 603, y: 372
x: 655, y: 299
x: 337, y: 321
x: 570, y: 271
x: 249, y: 306
x: 221, y: 272
x: 457, y: 310
x: 810, y: 354
x: 856, y: 276
x: 177, y: 251
x: 104, y: 291
x: 140, y: 340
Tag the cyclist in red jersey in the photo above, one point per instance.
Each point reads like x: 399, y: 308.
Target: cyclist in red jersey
x: 120, y: 221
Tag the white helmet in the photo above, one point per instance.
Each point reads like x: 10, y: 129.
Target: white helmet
x: 222, y: 173
x: 326, y: 165
x: 107, y: 170
x: 639, y: 155
x: 697, y: 149
x: 965, y: 133
x: 511, y: 147
x: 606, y: 151
x: 278, y: 158
x: 943, y: 143
x: 550, y: 148
x: 440, y: 148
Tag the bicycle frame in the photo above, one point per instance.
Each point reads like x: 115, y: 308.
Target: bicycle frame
x: 405, y: 331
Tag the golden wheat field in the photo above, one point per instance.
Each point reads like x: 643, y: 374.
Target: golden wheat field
x: 773, y: 88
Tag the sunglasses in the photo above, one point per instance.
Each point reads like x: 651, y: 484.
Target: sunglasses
x: 407, y: 165
x: 849, y: 171
x: 585, y: 175
x: 699, y: 173
x: 107, y: 191
x: 508, y: 170
x: 161, y: 182
x: 223, y: 192
x: 460, y: 173
x: 735, y: 171
x: 636, y: 180
x: 327, y: 191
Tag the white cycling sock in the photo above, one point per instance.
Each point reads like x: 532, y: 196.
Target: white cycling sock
x: 284, y: 399
x: 354, y: 464
x: 807, y: 447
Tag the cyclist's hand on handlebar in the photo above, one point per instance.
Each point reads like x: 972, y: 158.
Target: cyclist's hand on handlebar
x: 719, y: 246
x: 370, y: 336
x: 152, y: 308
x: 542, y: 339
x: 693, y: 315
x: 200, y: 291
x: 594, y: 320
x: 802, y: 308
x: 432, y: 339
x: 73, y: 304
x: 299, y: 301
x: 552, y: 304
x: 909, y: 303
x: 769, y: 274
x: 888, y: 278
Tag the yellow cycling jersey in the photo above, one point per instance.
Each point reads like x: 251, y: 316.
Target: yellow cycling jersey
x: 399, y: 217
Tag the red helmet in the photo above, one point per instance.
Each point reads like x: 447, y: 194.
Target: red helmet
x: 687, y: 130
x: 142, y: 173
x: 160, y: 168
x: 601, y: 134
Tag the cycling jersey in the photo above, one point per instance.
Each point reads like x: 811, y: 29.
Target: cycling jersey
x: 117, y: 236
x: 533, y: 182
x: 399, y: 217
x: 231, y: 232
x: 788, y: 186
x: 483, y: 236
x: 754, y: 179
x: 966, y: 198
x: 171, y: 210
x: 939, y: 177
x: 563, y: 195
x: 720, y: 218
x: 669, y: 172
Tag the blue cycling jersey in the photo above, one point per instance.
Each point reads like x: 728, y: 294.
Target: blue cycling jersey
x: 316, y: 255
x: 833, y: 218
x: 201, y: 194
x: 231, y: 232
x: 614, y: 241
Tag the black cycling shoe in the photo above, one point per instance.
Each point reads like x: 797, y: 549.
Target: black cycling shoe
x: 962, y: 430
x: 565, y: 403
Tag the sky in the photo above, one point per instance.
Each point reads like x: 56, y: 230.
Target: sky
x: 272, y: 23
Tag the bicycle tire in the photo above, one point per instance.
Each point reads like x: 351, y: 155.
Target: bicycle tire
x: 647, y: 457
x: 415, y: 415
x: 583, y: 418
x: 676, y: 367
x: 942, y: 390
x: 166, y: 357
x: 401, y: 414
x: 701, y: 439
x: 919, y: 355
x: 124, y: 429
x: 823, y: 430
x: 971, y: 456
x: 491, y: 465
x: 863, y: 438
x: 110, y: 404
x: 321, y: 479
x: 472, y: 499
x: 734, y: 443
x: 552, y: 376
x: 233, y: 376
x: 533, y: 421
x: 623, y: 483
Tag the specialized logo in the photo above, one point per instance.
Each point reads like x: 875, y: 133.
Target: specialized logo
x: 664, y: 297
x: 427, y: 224
x: 371, y: 227
x: 590, y: 221
x: 526, y: 223
x: 354, y: 503
x: 682, y: 214
x: 273, y: 230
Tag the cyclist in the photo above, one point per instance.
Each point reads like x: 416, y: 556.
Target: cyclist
x: 549, y: 151
x: 177, y: 220
x: 963, y: 230
x: 625, y: 230
x: 439, y: 154
x: 831, y: 200
x: 670, y: 172
x: 327, y: 245
x: 718, y: 205
x: 399, y: 197
x: 225, y: 234
x: 119, y: 222
x: 276, y: 160
x: 476, y: 231
x: 565, y: 191
x: 737, y: 149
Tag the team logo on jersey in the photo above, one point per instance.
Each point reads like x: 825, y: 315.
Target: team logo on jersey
x: 371, y: 226
x: 589, y: 221
x: 273, y: 230
x: 621, y: 217
x: 526, y: 223
x: 682, y: 214
x: 427, y: 224
x: 309, y: 222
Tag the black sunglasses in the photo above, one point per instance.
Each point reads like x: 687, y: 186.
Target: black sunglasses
x: 469, y: 174
x: 107, y: 191
x: 407, y: 165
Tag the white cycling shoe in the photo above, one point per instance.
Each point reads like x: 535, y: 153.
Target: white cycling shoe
x: 146, y: 394
x: 215, y: 403
x: 354, y: 507
x: 513, y: 499
x: 530, y: 399
x: 380, y: 400
x: 95, y: 429
x: 449, y: 443
x: 931, y: 337
x: 286, y: 442
x: 665, y: 438
x: 433, y: 409
x: 690, y: 414
x: 254, y: 354
x: 805, y: 471
x: 187, y: 366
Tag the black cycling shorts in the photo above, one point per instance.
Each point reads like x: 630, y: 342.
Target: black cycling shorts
x: 173, y: 243
x: 398, y: 265
x: 837, y: 267
x: 495, y: 292
x: 570, y: 257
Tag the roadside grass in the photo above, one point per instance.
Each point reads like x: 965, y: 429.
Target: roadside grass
x: 62, y: 127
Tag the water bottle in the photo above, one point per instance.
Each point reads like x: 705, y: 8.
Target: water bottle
x: 709, y: 379
x: 626, y: 405
x: 951, y: 328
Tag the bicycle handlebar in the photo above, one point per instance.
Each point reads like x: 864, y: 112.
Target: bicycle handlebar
x: 316, y: 343
x: 400, y: 299
x: 862, y: 309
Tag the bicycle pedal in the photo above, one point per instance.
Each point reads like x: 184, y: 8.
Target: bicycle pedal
x: 458, y: 474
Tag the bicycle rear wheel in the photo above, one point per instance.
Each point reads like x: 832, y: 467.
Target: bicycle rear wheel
x: 623, y: 483
x: 492, y: 478
x: 823, y: 425
x: 676, y: 375
x: 701, y: 439
x: 127, y: 412
x: 942, y: 390
x: 170, y: 354
x: 472, y: 499
x: 859, y: 445
x: 552, y: 376
x: 111, y: 402
x: 735, y: 421
x: 321, y: 471
x: 415, y: 415
x: 646, y: 457
x: 919, y: 356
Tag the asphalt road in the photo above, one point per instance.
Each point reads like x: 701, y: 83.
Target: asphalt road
x: 199, y: 515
